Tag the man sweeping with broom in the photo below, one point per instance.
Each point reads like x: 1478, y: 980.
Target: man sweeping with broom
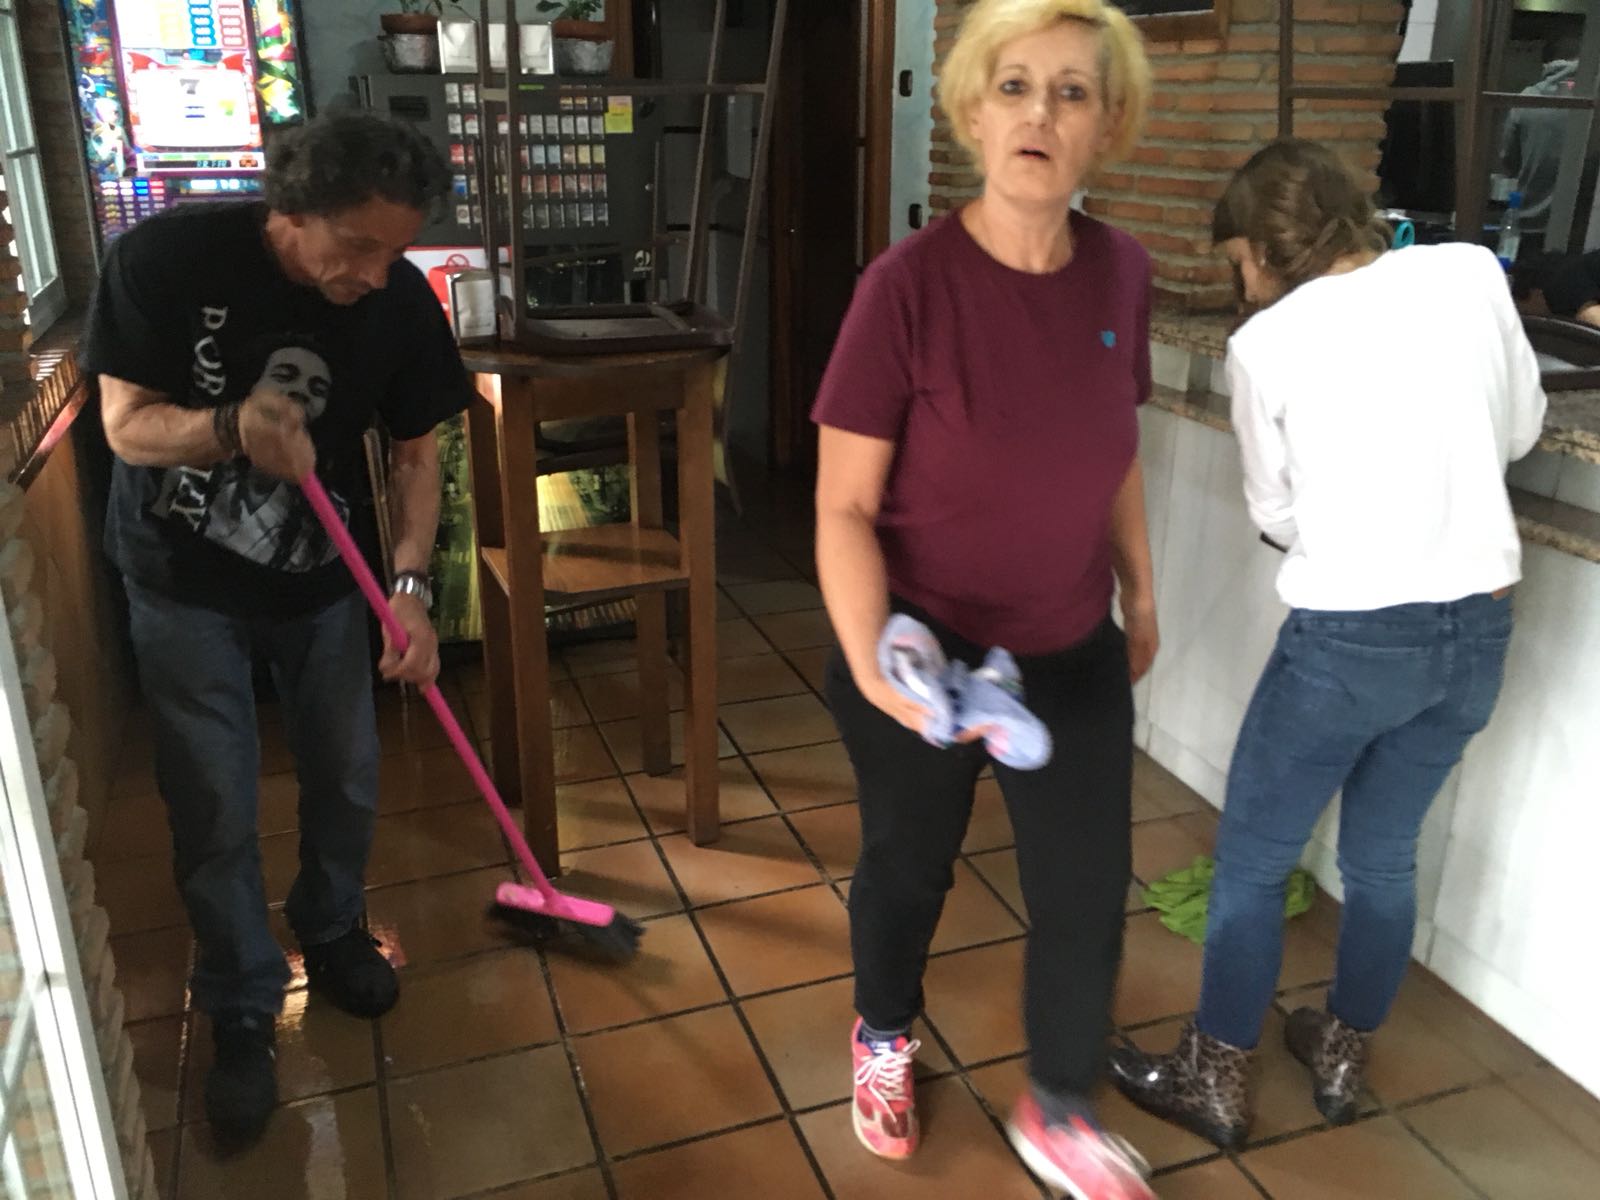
x: 239, y: 346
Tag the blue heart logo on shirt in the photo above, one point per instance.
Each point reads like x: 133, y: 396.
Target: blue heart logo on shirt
x: 1108, y: 337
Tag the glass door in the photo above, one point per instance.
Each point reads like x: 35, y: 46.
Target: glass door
x: 56, y: 1133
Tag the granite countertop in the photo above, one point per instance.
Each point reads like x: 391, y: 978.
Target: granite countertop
x: 1544, y: 522
x: 1572, y: 426
x: 1198, y: 333
x: 1564, y: 527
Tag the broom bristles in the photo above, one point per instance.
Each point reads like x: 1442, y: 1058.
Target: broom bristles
x: 617, y: 941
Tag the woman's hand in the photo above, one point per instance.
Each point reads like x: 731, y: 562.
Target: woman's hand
x: 1144, y: 638
x: 1130, y: 550
x: 1589, y: 314
x: 881, y: 694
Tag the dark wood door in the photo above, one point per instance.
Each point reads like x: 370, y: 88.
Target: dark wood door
x: 815, y: 212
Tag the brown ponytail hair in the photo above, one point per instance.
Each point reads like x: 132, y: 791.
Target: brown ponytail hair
x: 1301, y: 209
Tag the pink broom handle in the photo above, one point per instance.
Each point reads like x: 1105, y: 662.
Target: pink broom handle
x: 348, y: 551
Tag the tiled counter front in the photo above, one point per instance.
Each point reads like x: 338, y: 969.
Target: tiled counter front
x: 1503, y: 885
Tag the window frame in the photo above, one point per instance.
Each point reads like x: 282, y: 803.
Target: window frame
x: 22, y: 167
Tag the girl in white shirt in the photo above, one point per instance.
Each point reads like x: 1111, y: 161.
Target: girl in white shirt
x: 1378, y: 398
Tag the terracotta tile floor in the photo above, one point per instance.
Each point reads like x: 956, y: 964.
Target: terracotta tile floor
x: 718, y: 1055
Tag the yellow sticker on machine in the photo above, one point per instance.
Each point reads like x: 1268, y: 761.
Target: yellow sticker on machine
x: 619, y: 114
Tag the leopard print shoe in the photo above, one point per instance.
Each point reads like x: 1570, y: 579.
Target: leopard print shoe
x: 1335, y: 1054
x: 1203, y: 1085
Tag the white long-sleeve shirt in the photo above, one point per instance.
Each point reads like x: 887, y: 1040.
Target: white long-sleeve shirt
x: 1376, y: 412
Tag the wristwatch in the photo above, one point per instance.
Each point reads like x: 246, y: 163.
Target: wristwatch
x: 413, y: 583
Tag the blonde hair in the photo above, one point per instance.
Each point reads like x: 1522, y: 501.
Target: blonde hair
x: 1300, y: 207
x: 990, y: 24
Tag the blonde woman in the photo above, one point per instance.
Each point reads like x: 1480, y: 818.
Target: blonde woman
x: 1378, y: 398
x: 978, y: 469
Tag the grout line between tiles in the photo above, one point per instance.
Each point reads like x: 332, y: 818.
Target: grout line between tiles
x: 695, y: 1139
x: 1209, y: 1155
x: 185, y: 1048
x: 1440, y: 1155
x: 385, y: 1132
x: 1020, y: 917
x: 1295, y: 1135
x: 963, y: 1072
x: 602, y: 1161
x: 733, y: 1000
x: 456, y: 873
x: 1234, y: 1157
x: 348, y: 1089
x: 505, y: 1189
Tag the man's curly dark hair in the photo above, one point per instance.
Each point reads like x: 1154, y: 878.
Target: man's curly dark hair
x: 342, y: 160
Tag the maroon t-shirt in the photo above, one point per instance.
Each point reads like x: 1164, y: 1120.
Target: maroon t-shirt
x: 1011, y: 400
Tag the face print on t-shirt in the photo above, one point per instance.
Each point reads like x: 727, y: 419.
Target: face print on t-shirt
x: 300, y: 374
x: 246, y: 511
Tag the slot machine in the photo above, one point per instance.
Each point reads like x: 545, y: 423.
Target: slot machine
x: 179, y: 98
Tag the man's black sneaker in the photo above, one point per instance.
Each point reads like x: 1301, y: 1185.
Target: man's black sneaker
x: 352, y: 973
x: 242, y: 1085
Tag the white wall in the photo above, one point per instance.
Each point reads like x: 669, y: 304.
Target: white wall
x: 1506, y: 882
x: 1511, y: 922
x: 1418, y: 46
x: 1451, y: 21
x: 341, y: 41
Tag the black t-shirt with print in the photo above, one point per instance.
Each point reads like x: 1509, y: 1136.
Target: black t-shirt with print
x: 193, y: 303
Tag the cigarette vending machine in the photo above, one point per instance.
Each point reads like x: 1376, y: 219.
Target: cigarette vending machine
x: 179, y: 97
x: 590, y: 214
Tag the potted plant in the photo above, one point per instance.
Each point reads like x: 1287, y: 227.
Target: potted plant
x: 414, y: 17
x: 579, y: 51
x: 411, y: 36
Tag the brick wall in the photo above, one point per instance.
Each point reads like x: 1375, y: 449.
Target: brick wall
x: 1215, y: 103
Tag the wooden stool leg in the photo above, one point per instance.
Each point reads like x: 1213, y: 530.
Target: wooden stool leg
x: 483, y: 452
x: 650, y: 609
x: 500, y: 673
x: 697, y: 532
x: 530, y: 649
x: 655, y: 727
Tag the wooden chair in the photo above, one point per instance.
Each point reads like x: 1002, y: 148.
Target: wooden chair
x: 528, y: 569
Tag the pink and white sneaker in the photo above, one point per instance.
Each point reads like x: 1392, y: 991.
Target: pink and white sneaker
x: 1085, y: 1162
x: 884, y: 1113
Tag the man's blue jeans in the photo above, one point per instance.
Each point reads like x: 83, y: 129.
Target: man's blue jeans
x: 1381, y: 704
x: 195, y: 672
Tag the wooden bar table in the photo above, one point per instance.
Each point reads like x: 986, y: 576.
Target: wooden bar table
x: 525, y: 568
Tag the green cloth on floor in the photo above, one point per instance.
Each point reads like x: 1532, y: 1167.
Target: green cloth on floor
x: 1181, y: 897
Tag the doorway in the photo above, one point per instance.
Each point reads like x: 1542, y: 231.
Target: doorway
x: 829, y: 210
